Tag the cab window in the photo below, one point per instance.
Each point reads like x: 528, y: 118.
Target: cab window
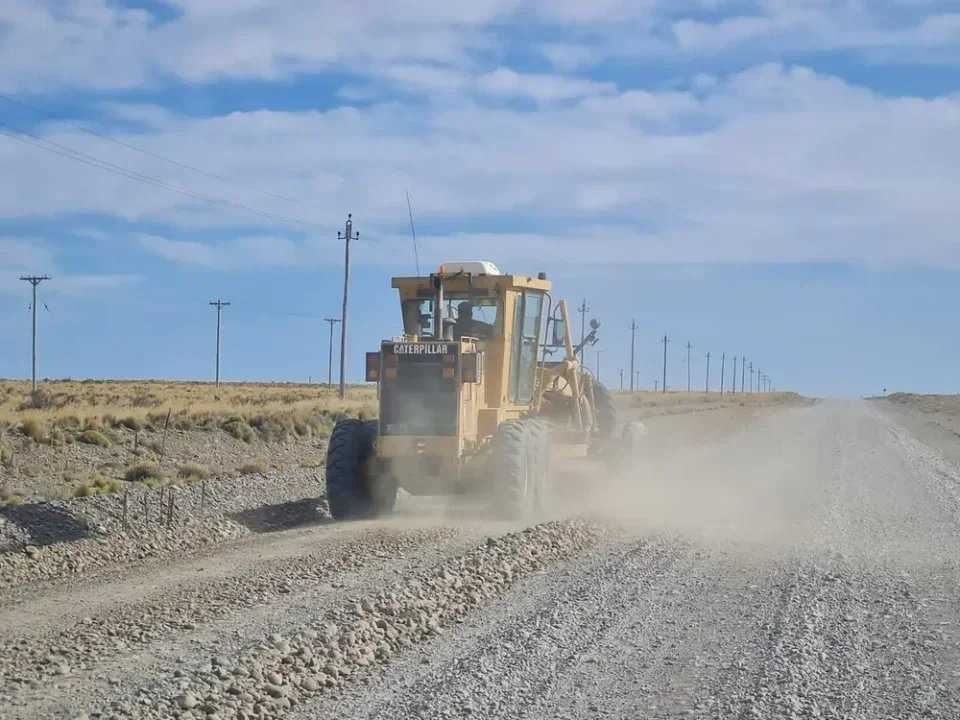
x: 523, y: 361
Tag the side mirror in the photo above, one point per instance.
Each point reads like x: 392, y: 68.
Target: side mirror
x: 559, y: 333
x: 594, y: 324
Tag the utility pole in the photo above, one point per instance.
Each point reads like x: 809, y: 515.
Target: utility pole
x: 743, y: 372
x: 665, y: 341
x: 689, y: 348
x: 34, y: 280
x: 621, y: 379
x: 733, y: 391
x: 751, y: 376
x: 633, y: 349
x: 656, y: 385
x: 346, y: 236
x: 636, y: 375
x: 598, y: 364
x: 707, y: 391
x: 583, y: 310
x: 723, y: 362
x: 219, y: 305
x: 331, y: 322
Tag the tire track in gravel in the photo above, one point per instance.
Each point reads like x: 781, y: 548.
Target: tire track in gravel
x: 505, y: 662
x: 278, y: 673
x: 129, y: 632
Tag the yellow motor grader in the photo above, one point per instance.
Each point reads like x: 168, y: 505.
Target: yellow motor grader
x: 480, y: 393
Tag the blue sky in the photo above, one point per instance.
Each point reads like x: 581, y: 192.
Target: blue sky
x: 761, y: 177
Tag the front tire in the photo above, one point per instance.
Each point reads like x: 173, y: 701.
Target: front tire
x: 356, y: 486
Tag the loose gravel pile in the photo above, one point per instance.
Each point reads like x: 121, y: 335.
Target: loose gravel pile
x: 26, y: 663
x: 62, y: 538
x: 281, y: 672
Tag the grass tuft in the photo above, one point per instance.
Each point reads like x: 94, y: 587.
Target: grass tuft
x: 256, y: 467
x: 142, y: 472
x: 192, y: 472
x: 34, y: 429
x: 94, y: 437
x: 240, y: 429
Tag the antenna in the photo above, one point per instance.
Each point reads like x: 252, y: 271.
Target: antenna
x: 413, y: 231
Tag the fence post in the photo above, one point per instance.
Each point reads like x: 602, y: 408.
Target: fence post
x: 163, y: 445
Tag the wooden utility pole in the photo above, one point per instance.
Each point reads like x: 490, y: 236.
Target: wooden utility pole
x: 733, y: 390
x: 665, y: 341
x: 633, y: 349
x: 34, y: 280
x: 707, y: 390
x: 347, y: 235
x: 743, y: 373
x: 598, y: 364
x: 219, y: 305
x: 331, y: 322
x: 723, y: 362
x: 583, y: 310
x: 689, y: 348
x: 751, y: 376
x: 621, y: 379
x: 656, y: 385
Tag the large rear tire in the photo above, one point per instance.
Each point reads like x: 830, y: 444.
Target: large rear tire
x: 605, y: 409
x: 514, y: 489
x: 356, y: 486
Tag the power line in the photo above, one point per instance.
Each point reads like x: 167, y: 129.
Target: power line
x: 70, y: 153
x: 144, y: 151
x: 413, y: 231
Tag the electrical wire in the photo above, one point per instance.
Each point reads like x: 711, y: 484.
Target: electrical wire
x: 64, y: 151
x: 144, y: 151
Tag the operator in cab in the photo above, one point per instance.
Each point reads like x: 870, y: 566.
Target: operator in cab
x: 466, y: 326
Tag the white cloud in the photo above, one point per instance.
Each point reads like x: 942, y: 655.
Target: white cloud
x: 33, y: 256
x: 49, y: 44
x: 509, y: 83
x: 238, y: 253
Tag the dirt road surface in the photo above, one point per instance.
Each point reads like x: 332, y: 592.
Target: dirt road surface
x: 788, y: 562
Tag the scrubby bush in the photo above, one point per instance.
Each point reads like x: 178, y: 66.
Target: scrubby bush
x: 6, y: 456
x: 98, y: 485
x: 239, y: 428
x: 256, y: 467
x: 34, y: 429
x: 142, y: 472
x: 131, y: 423
x: 192, y: 472
x: 94, y: 437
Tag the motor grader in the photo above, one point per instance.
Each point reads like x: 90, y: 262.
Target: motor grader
x: 481, y: 392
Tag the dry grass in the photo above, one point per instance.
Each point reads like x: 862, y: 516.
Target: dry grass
x: 94, y: 437
x: 192, y: 472
x: 257, y: 467
x: 247, y: 411
x: 97, y: 485
x: 142, y: 472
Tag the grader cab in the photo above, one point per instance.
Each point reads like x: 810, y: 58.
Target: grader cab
x: 483, y: 389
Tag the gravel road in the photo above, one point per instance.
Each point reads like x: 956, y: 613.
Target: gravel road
x: 789, y: 562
